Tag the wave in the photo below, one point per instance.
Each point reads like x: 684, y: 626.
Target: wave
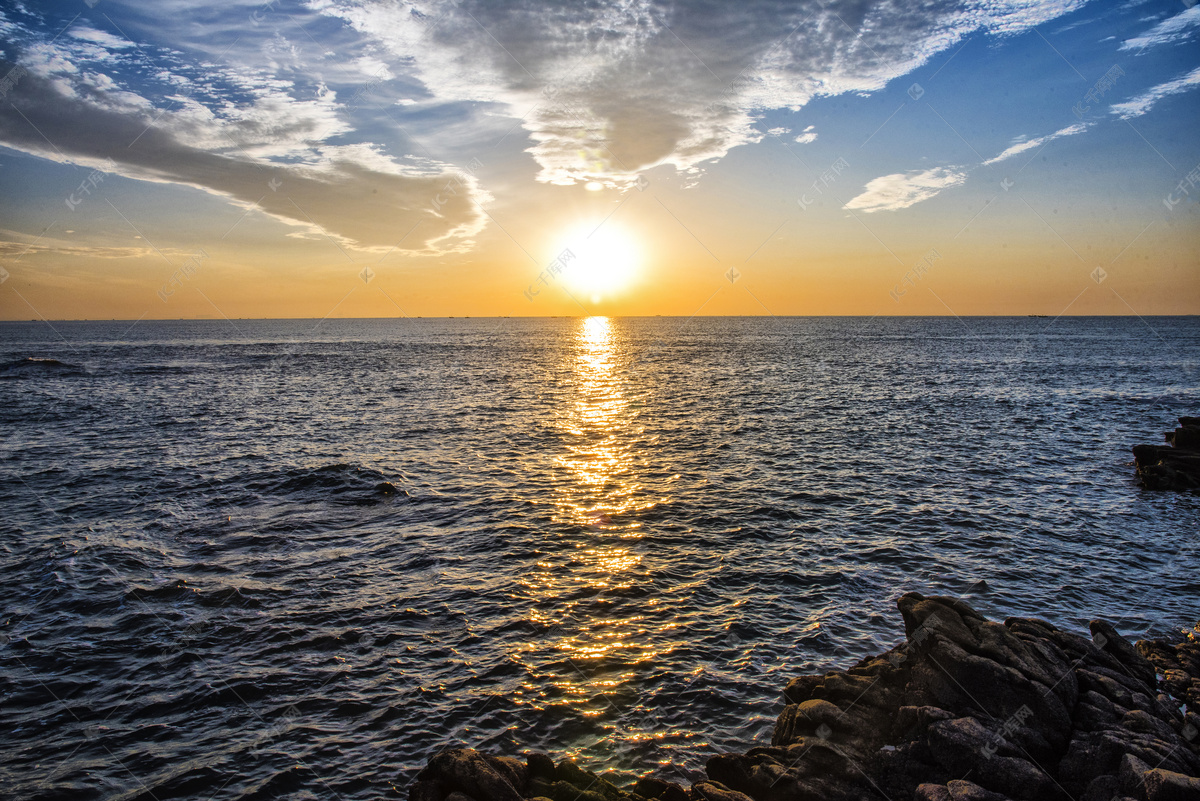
x: 33, y: 365
x: 341, y: 483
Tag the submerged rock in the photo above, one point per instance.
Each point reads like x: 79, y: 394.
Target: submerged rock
x: 966, y: 709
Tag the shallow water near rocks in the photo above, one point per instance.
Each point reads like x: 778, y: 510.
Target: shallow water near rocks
x: 270, y: 558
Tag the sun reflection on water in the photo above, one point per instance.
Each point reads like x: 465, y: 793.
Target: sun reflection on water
x: 597, y: 502
x: 600, y: 452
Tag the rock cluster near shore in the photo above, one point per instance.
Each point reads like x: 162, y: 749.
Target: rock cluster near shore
x: 966, y: 709
x: 1176, y: 465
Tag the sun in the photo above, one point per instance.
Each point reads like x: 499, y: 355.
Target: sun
x: 601, y: 259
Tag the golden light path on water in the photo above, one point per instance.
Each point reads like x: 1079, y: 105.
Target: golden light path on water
x: 599, y: 498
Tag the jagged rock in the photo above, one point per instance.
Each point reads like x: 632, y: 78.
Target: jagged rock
x: 1185, y: 438
x: 1130, y: 775
x: 966, y: 709
x: 958, y: 790
x: 1101, y: 788
x: 515, y: 770
x: 467, y: 771
x: 964, y: 746
x: 1174, y: 467
x: 1165, y: 785
x: 1107, y: 638
x: 962, y: 790
x: 932, y: 792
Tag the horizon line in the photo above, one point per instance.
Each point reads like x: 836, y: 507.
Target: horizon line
x: 587, y: 316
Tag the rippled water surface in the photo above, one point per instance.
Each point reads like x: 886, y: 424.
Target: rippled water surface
x: 295, y: 558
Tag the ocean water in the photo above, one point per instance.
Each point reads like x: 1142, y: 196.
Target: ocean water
x: 269, y: 559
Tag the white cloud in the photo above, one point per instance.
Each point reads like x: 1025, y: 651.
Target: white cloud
x: 1172, y: 29
x: 606, y: 91
x: 1143, y: 102
x: 903, y: 189
x: 1030, y: 144
x: 102, y: 38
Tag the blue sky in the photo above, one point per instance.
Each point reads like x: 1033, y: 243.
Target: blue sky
x: 452, y: 144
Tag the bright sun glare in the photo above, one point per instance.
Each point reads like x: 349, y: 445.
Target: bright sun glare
x: 604, y: 260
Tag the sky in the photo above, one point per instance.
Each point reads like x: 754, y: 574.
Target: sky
x: 358, y: 158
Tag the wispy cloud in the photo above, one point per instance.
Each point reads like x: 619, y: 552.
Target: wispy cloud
x: 1145, y: 101
x: 903, y: 189
x: 17, y: 249
x: 1030, y: 144
x: 1172, y: 29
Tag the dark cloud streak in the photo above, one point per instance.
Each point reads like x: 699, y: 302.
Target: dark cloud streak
x: 343, y: 198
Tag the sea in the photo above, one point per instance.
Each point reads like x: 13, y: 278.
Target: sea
x: 259, y: 559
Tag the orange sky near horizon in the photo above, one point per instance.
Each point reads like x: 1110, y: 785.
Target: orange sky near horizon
x: 1005, y: 269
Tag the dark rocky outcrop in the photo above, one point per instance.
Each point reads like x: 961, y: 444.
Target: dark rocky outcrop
x: 1174, y: 466
x: 966, y: 709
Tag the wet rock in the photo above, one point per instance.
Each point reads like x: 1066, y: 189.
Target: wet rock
x: 651, y: 788
x: 571, y: 774
x: 540, y: 766
x: 467, y: 771
x: 966, y: 709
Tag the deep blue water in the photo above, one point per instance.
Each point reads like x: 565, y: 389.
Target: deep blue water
x: 294, y: 558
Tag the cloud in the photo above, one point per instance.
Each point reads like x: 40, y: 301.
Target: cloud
x: 16, y: 250
x: 605, y: 91
x: 903, y: 189
x: 353, y: 193
x: 1145, y: 101
x: 1172, y: 29
x: 1030, y: 144
x: 102, y: 38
